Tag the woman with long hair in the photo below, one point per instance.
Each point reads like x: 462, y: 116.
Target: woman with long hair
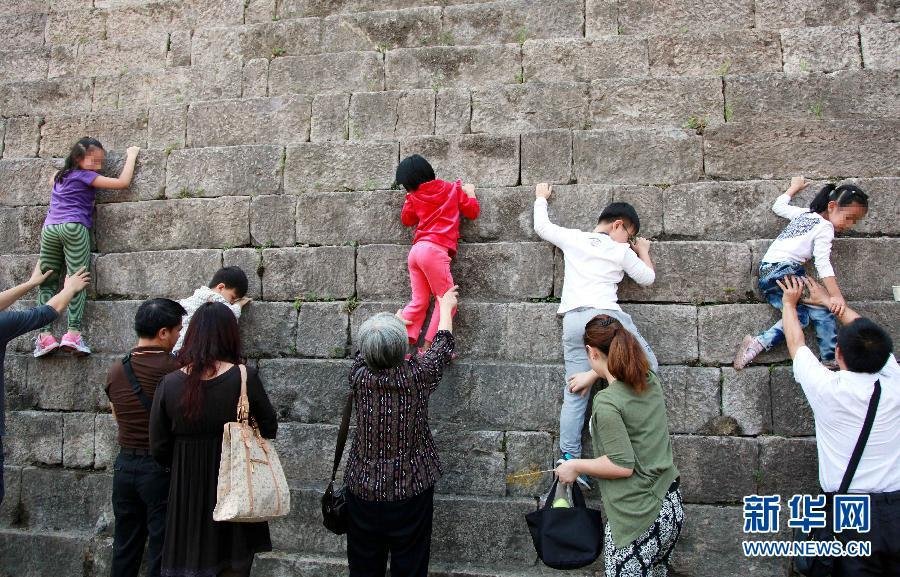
x: 190, y: 410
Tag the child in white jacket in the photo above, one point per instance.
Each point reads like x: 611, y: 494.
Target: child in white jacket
x: 228, y: 286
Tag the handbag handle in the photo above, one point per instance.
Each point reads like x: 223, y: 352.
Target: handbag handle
x: 861, y: 441
x: 243, y: 406
x: 577, y: 496
x: 342, y: 435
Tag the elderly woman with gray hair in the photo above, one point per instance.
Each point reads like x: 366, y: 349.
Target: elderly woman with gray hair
x: 393, y: 463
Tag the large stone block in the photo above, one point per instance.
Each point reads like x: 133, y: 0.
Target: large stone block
x: 814, y: 95
x: 855, y: 259
x: 791, y: 413
x: 78, y: 440
x: 391, y: 115
x: 188, y: 223
x: 20, y: 229
x: 70, y: 95
x: 788, y: 13
x: 326, y: 166
x: 273, y: 39
x: 225, y: 171
x: 341, y: 71
x: 330, y: 117
x: 116, y: 131
x: 482, y: 159
x: 302, y: 529
x: 148, y: 181
x: 308, y: 273
x: 142, y: 53
x: 23, y: 65
x: 512, y: 21
x: 272, y: 219
x: 277, y: 120
x: 301, y: 447
x: 584, y: 60
x: 452, y: 66
x: 12, y: 481
x: 149, y: 274
x: 669, y: 101
x: 474, y: 462
x: 506, y: 215
x: 21, y: 138
x: 823, y: 49
x: 255, y: 78
x: 268, y: 329
x: 721, y: 328
x: 453, y: 111
x: 697, y: 272
x: 167, y: 127
x: 881, y: 45
x: 340, y: 217
x: 741, y: 150
x: 692, y: 397
x: 26, y: 181
x: 37, y: 554
x: 66, y: 500
x: 516, y: 332
x: 528, y: 452
x: 788, y: 466
x: 106, y: 445
x: 661, y: 17
x: 670, y: 330
x: 78, y: 26
x: 306, y: 391
x: 746, y: 399
x: 515, y: 108
x: 33, y: 437
x: 546, y: 157
x: 108, y: 326
x: 382, y: 31
x: 17, y: 394
x: 716, y: 469
x: 501, y: 270
x: 322, y: 329
x: 637, y: 156
x: 721, y: 53
x: 178, y: 85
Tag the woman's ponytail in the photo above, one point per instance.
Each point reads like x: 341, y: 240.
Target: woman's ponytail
x: 626, y: 359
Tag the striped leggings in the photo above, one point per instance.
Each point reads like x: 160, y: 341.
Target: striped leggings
x: 68, y: 245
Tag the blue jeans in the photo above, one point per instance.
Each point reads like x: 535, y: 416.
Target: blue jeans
x: 140, y: 498
x: 822, y: 319
x: 571, y: 415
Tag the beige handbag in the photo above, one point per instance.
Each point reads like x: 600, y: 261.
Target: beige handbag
x: 252, y: 486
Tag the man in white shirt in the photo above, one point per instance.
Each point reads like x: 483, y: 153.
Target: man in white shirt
x: 839, y: 401
x: 595, y: 264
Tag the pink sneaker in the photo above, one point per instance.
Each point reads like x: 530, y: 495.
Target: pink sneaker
x: 44, y: 345
x: 750, y: 347
x: 75, y: 345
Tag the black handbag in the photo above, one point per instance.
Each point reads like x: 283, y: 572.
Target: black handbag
x: 334, y: 501
x: 822, y: 566
x: 566, y: 537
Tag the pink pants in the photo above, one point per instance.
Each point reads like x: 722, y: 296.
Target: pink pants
x: 429, y: 274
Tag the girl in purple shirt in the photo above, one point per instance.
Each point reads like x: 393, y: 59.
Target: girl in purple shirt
x: 65, y: 237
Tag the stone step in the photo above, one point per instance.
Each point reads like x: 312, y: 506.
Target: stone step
x: 41, y: 553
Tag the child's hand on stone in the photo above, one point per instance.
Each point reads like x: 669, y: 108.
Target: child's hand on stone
x: 469, y: 189
x: 581, y: 383
x: 243, y: 301
x: 132, y: 151
x: 641, y: 245
x: 798, y: 183
x: 543, y: 190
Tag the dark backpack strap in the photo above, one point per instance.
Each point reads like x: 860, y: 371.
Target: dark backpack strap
x: 861, y: 442
x: 342, y: 435
x: 135, y: 385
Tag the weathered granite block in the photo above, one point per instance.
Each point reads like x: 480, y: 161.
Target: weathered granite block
x: 482, y: 159
x: 173, y: 224
x: 501, y: 270
x: 391, y: 115
x: 277, y: 120
x: 27, y: 30
x: 881, y: 45
x: 692, y: 396
x: 36, y: 554
x: 661, y: 17
x: 302, y: 529
x: 382, y: 31
x: 12, y: 481
x: 148, y: 181
x: 637, y: 156
x: 695, y: 272
x: 326, y: 166
x: 23, y: 65
x: 109, y: 326
x: 452, y: 66
x: 306, y: 391
x: 225, y: 171
x: 308, y: 273
x: 339, y: 217
x: 78, y: 440
x: 506, y: 215
x: 670, y: 330
x: 788, y: 466
x: 322, y: 329
x: 167, y: 127
x: 272, y: 39
x: 670, y: 101
x: 301, y: 447
x: 33, y: 437
x: 106, y: 446
x: 787, y: 13
x: 474, y: 462
x: 117, y: 131
x: 854, y: 259
x: 146, y: 274
x: 268, y: 329
x: 65, y: 500
x: 21, y: 137
x: 743, y: 150
x: 528, y: 452
x: 512, y: 21
x: 716, y: 469
x: 516, y: 332
x: 720, y: 53
x: 515, y: 108
x: 814, y: 95
x: 20, y: 229
x: 272, y: 220
x: 68, y: 383
x: 791, y: 413
x: 255, y: 78
x: 178, y: 85
x: 70, y: 95
x: 18, y: 397
x: 341, y: 71
x: 330, y: 116
x: 453, y: 111
x: 823, y: 49
x: 746, y: 398
x: 25, y: 181
x: 721, y: 328
x: 583, y: 60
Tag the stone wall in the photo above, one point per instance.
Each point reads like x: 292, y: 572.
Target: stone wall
x: 270, y: 131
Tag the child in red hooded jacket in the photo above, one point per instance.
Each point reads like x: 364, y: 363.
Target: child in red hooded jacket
x: 434, y: 208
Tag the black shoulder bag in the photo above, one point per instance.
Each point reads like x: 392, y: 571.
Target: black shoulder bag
x: 135, y: 385
x: 566, y: 537
x: 334, y: 502
x: 822, y: 566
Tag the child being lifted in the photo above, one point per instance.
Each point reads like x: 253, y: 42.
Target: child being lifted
x: 595, y: 263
